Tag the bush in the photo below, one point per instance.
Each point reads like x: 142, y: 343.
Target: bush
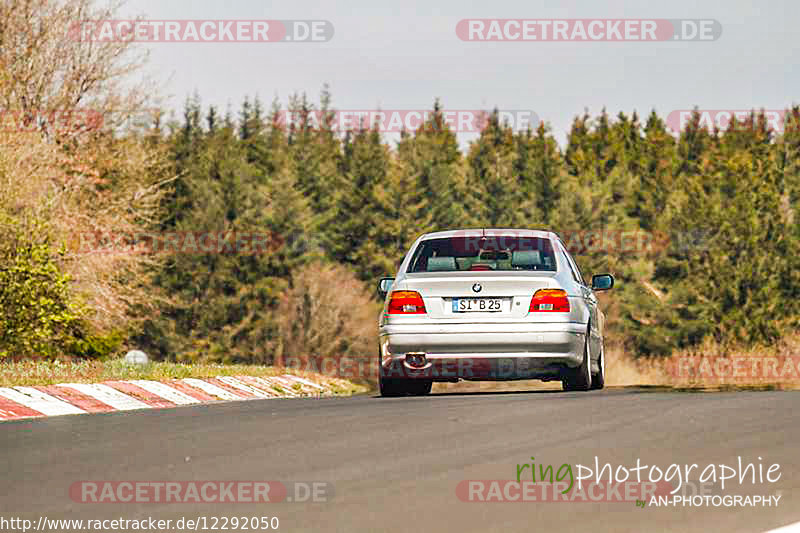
x: 38, y: 318
x: 327, y: 315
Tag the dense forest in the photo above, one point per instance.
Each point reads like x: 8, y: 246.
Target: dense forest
x: 719, y: 208
x: 342, y: 208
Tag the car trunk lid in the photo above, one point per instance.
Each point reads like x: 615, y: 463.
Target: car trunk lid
x: 513, y: 290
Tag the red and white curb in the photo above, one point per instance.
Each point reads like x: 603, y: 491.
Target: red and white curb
x: 77, y: 398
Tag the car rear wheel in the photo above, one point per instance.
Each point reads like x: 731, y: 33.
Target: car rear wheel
x: 389, y: 387
x: 579, y: 378
x: 402, y: 387
x: 420, y: 387
x: 599, y: 379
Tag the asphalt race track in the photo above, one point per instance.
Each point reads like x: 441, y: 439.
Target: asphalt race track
x: 395, y: 463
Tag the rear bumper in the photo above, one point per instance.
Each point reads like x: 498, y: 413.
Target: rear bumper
x: 482, y: 351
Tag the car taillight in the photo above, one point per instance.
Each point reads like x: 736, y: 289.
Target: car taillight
x: 554, y: 300
x: 406, y: 303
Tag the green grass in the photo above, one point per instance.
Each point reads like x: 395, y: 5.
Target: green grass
x: 92, y: 371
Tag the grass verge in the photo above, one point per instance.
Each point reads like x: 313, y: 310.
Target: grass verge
x: 92, y: 371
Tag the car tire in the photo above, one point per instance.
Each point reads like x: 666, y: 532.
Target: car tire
x: 390, y: 387
x: 580, y: 377
x: 599, y: 379
x: 420, y: 387
x: 402, y: 387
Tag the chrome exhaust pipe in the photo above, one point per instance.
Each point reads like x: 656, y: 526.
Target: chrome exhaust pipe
x: 416, y: 359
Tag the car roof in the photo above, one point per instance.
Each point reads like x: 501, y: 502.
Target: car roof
x: 490, y: 232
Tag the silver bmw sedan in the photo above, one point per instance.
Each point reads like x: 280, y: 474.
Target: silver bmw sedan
x: 490, y: 304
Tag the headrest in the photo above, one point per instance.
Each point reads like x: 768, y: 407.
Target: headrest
x: 436, y: 264
x: 526, y: 258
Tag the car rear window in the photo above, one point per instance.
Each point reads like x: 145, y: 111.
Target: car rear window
x: 493, y: 253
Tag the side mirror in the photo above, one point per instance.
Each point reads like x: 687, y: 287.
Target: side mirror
x: 384, y: 286
x: 602, y: 282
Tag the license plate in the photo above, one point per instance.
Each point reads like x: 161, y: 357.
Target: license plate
x: 485, y: 305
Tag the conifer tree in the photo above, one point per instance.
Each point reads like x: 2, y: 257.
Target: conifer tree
x: 540, y: 168
x: 433, y: 161
x: 503, y: 196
